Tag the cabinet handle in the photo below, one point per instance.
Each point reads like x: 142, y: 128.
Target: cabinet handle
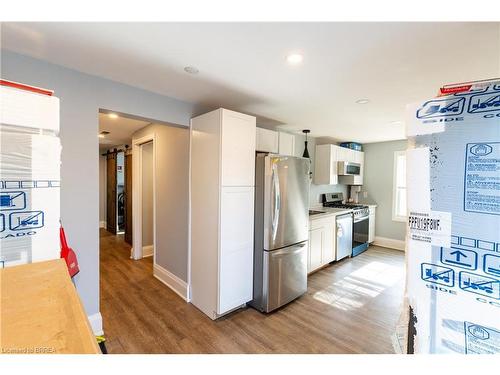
x: 340, y: 231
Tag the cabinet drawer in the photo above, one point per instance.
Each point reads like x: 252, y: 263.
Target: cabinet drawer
x: 321, y: 222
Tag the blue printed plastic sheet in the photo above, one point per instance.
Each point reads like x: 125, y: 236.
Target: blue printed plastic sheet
x: 453, y: 168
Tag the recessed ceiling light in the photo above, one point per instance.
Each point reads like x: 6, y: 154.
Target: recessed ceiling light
x: 362, y: 101
x: 101, y: 135
x: 112, y: 115
x: 294, y: 58
x: 191, y: 70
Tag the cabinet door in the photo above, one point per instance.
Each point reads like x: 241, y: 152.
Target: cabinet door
x: 286, y: 144
x: 238, y: 149
x: 236, y: 248
x: 371, y: 228
x: 267, y: 141
x: 359, y: 157
x: 325, y: 165
x: 315, y: 248
x: 328, y: 249
x: 342, y: 153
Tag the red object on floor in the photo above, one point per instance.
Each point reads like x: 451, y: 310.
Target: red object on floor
x: 68, y: 254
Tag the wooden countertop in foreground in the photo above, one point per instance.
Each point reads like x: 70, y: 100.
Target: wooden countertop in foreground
x: 40, y: 311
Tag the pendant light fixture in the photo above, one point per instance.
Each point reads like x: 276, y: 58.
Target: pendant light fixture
x: 306, y: 151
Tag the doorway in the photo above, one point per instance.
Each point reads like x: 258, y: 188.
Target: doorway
x: 143, y: 188
x: 147, y: 199
x: 118, y: 193
x: 115, y: 136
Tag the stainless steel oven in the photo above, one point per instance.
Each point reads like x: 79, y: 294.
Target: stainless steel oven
x: 360, y: 227
x: 360, y: 220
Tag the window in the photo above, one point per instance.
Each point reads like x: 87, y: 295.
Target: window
x: 399, y: 187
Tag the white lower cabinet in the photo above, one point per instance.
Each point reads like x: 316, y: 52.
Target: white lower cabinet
x: 321, y: 242
x: 315, y: 248
x: 371, y: 224
x: 236, y: 247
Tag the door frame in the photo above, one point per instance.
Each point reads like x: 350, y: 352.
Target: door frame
x: 136, y: 251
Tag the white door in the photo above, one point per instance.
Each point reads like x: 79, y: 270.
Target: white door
x: 236, y: 248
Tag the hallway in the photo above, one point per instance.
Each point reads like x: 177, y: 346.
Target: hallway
x: 350, y: 307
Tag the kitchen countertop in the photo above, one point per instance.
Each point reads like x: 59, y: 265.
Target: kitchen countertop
x: 327, y: 211
x: 42, y: 312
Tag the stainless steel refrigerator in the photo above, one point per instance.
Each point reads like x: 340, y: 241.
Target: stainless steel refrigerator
x: 281, y: 230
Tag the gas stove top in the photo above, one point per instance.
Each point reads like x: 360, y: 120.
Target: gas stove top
x: 335, y: 200
x: 344, y: 205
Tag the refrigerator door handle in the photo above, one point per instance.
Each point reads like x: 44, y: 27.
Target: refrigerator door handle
x: 276, y: 201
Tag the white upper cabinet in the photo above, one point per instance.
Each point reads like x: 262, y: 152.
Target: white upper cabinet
x: 326, y: 165
x: 238, y: 149
x: 267, y: 141
x: 275, y: 142
x: 286, y: 144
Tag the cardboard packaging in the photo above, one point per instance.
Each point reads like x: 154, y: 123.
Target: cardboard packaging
x: 30, y: 158
x: 453, y: 246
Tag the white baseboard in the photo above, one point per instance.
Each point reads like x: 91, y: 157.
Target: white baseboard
x: 147, y: 251
x: 389, y: 243
x: 169, y: 279
x: 102, y: 224
x: 95, y: 321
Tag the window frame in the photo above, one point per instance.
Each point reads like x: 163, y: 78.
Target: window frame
x: 395, y: 216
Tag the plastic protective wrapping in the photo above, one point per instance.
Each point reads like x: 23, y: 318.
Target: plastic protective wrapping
x: 29, y: 177
x: 453, y: 247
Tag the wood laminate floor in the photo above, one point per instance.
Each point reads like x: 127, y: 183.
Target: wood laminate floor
x: 350, y: 307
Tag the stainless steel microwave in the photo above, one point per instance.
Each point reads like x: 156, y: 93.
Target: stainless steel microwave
x: 347, y: 168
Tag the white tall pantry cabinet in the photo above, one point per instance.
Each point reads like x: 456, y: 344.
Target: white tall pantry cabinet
x: 222, y: 210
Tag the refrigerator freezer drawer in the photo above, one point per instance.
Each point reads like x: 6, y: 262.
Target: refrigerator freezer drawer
x: 285, y: 275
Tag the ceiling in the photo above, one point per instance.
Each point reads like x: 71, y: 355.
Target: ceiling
x: 242, y: 66
x: 120, y: 130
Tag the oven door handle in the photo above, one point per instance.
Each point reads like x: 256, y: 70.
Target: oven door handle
x: 357, y: 220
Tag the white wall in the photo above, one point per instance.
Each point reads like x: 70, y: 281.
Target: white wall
x: 147, y: 194
x: 81, y: 96
x: 172, y: 196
